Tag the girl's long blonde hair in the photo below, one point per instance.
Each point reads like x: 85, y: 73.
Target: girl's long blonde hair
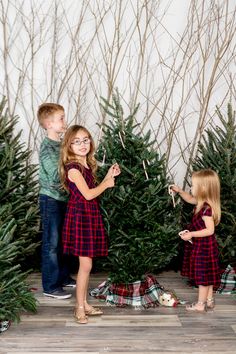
x: 67, y: 155
x: 208, y: 191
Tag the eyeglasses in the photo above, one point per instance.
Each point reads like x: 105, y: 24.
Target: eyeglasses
x: 79, y: 142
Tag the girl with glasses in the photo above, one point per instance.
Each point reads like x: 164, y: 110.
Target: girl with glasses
x: 83, y: 232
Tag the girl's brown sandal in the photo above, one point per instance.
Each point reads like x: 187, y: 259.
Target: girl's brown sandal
x: 210, y: 303
x: 81, y: 319
x: 193, y: 307
x: 93, y: 311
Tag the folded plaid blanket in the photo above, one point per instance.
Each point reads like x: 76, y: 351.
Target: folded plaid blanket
x: 145, y: 293
x: 228, y: 281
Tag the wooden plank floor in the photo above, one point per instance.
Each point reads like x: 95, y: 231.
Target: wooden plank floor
x: 124, y: 330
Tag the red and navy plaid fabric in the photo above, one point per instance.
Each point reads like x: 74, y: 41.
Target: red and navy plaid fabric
x: 201, y: 259
x: 145, y: 293
x: 228, y: 281
x: 83, y: 231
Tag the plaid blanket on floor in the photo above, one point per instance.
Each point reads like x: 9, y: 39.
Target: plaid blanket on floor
x: 228, y: 281
x: 144, y: 293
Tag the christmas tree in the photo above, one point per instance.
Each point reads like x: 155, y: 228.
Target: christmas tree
x: 15, y: 295
x: 218, y: 152
x: 19, y: 191
x: 138, y: 212
x: 19, y: 219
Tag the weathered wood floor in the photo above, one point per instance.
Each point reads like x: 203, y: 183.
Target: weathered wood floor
x: 159, y: 330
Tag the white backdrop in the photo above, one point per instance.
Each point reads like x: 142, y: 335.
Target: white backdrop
x: 175, y: 58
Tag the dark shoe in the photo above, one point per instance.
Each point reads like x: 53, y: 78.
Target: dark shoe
x: 71, y: 283
x: 58, y: 294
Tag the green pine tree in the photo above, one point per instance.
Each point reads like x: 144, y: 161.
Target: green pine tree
x: 19, y: 191
x: 19, y: 219
x: 218, y: 151
x: 138, y: 212
x: 15, y: 295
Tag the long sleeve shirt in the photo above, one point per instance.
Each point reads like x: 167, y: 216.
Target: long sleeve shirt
x: 49, y: 179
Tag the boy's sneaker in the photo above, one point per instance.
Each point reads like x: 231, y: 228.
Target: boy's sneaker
x: 71, y: 283
x: 58, y: 294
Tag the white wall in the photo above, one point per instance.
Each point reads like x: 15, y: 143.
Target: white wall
x: 176, y: 58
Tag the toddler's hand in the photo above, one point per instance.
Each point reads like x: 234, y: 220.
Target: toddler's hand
x: 186, y: 235
x: 173, y: 188
x: 171, y: 192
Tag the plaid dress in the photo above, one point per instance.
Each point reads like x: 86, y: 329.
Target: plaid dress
x: 83, y: 231
x: 201, y: 259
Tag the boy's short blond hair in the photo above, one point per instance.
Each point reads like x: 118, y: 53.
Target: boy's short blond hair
x: 46, y: 110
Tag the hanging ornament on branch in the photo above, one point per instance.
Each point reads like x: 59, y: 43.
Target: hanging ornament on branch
x: 121, y: 140
x: 145, y: 170
x: 104, y: 158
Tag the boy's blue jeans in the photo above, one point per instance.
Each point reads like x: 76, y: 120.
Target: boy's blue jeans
x: 54, y: 270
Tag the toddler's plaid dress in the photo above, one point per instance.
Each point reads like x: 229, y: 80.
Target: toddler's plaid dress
x: 83, y: 231
x: 201, y: 259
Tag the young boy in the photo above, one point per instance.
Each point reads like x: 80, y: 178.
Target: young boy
x: 53, y: 200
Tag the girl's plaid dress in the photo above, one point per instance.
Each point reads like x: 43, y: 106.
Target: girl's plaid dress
x: 83, y: 231
x: 201, y: 259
